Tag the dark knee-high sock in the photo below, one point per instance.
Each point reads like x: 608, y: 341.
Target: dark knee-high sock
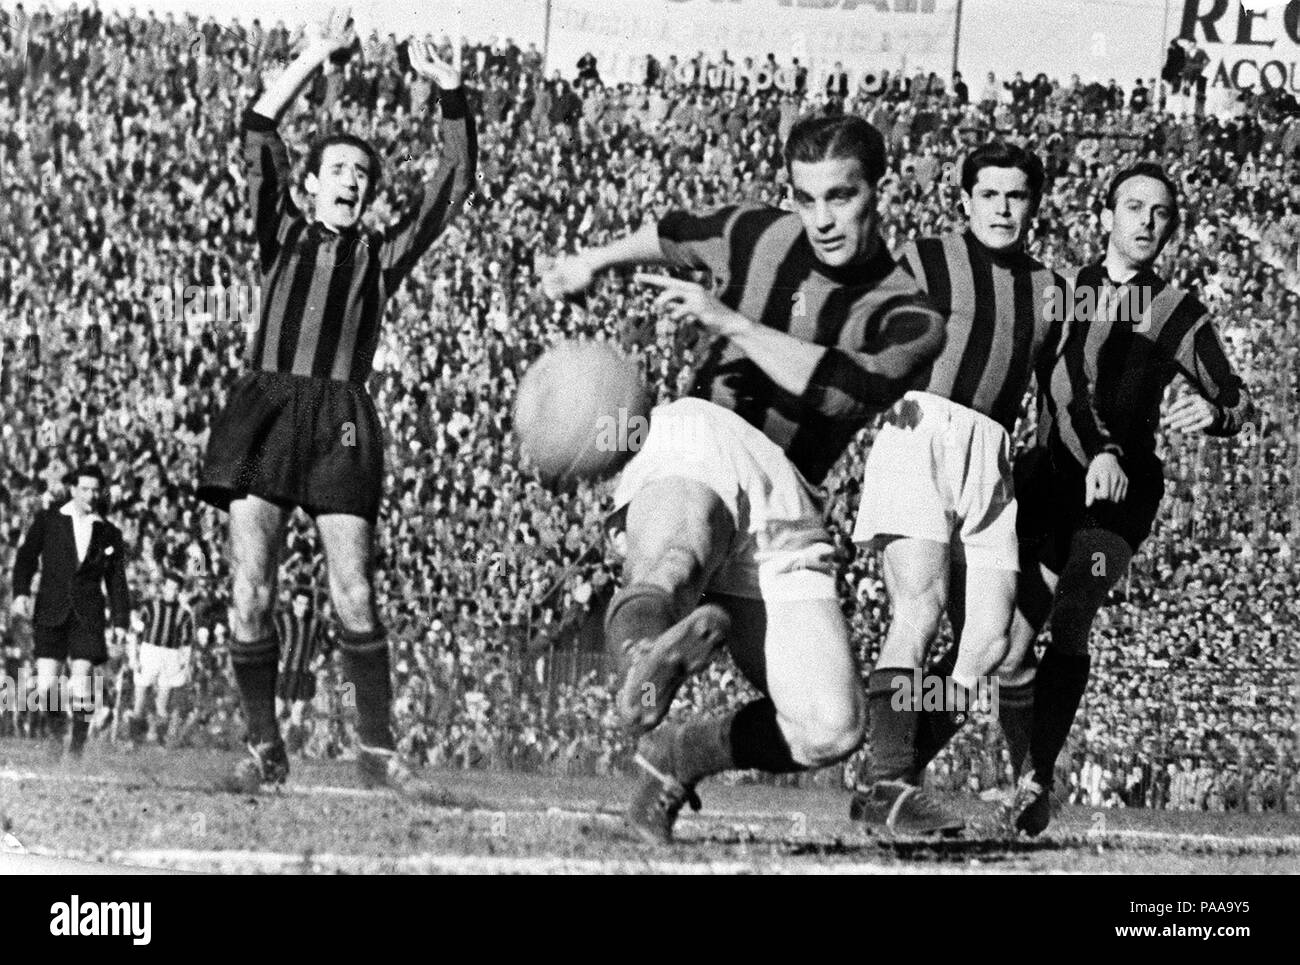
x: 639, y: 611
x: 1097, y: 560
x: 82, y: 713
x: 893, y: 716
x: 1058, y: 688
x: 365, y: 668
x: 748, y: 739
x: 935, y: 728
x: 1016, y: 717
x: 254, y: 665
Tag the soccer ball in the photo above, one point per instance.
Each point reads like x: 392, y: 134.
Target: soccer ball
x: 581, y: 412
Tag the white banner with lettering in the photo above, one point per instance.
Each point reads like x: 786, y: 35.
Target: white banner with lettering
x: 863, y: 34
x: 1251, y: 43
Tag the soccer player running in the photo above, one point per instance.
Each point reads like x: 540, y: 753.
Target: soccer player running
x: 1078, y: 534
x: 814, y: 330
x: 937, y: 494
x: 299, y: 428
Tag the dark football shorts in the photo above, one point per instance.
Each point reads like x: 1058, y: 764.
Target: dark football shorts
x: 70, y: 640
x: 1050, y: 495
x: 296, y: 686
x: 295, y: 440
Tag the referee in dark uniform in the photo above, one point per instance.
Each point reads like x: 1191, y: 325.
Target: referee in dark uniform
x: 299, y: 428
x: 80, y: 556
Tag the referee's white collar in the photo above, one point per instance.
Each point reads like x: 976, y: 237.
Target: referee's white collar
x: 67, y: 510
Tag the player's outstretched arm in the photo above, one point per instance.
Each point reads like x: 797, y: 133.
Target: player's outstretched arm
x: 443, y: 195
x: 269, y: 198
x: 333, y: 33
x: 571, y: 274
x: 836, y: 383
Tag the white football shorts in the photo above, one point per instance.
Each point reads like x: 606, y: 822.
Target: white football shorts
x: 161, y: 667
x: 782, y: 550
x: 942, y: 472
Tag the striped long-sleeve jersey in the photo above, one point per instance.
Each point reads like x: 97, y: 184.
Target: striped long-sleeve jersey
x: 323, y: 292
x: 1126, y: 345
x: 168, y: 625
x: 879, y: 330
x: 301, y: 640
x: 1002, y: 326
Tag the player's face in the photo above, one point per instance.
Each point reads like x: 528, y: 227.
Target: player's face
x: 170, y: 591
x: 1141, y: 221
x: 999, y: 207
x: 85, y: 493
x: 341, y: 185
x: 837, y: 205
x: 300, y: 606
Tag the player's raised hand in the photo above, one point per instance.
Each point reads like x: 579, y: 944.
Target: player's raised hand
x: 1189, y: 413
x: 567, y: 275
x: 333, y: 33
x: 1105, y: 480
x: 689, y: 301
x: 427, y: 63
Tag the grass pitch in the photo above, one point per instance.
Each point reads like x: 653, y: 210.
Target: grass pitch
x: 157, y: 809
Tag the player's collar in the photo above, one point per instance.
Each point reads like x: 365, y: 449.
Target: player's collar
x: 1010, y: 260
x: 1143, y: 277
x: 868, y: 272
x: 319, y: 231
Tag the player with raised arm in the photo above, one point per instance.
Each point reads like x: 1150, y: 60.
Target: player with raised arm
x: 937, y: 494
x: 1077, y: 534
x: 299, y: 427
x: 814, y: 329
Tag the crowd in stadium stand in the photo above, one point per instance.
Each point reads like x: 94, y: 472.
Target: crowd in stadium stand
x: 121, y: 184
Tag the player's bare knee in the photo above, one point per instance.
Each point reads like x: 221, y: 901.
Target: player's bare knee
x: 252, y: 598
x: 354, y: 605
x: 914, y: 623
x: 676, y: 568
x: 828, y: 732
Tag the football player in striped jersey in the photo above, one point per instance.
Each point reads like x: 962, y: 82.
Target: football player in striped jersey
x: 162, y: 661
x: 299, y: 427
x: 1133, y: 334
x: 811, y: 329
x: 937, y: 495
x: 306, y: 648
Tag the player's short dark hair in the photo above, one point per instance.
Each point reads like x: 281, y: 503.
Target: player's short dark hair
x: 302, y: 590
x: 317, y: 152
x: 171, y: 576
x: 824, y: 138
x: 1001, y: 154
x: 1147, y: 169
